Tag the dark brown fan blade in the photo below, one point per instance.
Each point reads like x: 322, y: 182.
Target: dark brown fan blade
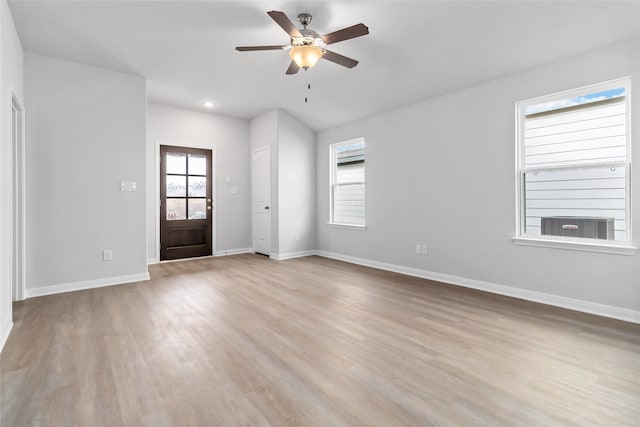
x: 286, y: 24
x: 248, y: 48
x: 339, y: 59
x: 346, y: 34
x: 293, y: 68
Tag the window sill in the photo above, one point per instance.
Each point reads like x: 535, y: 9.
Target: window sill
x: 347, y: 226
x: 589, y: 246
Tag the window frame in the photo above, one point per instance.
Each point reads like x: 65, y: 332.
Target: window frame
x: 332, y: 184
x: 574, y: 243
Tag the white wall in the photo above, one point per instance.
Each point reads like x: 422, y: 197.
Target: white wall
x: 11, y: 60
x: 442, y: 172
x: 296, y: 186
x: 229, y: 138
x: 293, y: 210
x: 85, y: 130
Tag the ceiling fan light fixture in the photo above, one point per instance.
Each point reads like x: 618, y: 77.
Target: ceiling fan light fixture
x: 305, y: 56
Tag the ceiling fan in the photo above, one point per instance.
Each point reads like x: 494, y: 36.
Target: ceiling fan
x: 307, y: 46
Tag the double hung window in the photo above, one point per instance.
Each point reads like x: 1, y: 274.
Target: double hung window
x: 574, y: 163
x: 348, y: 183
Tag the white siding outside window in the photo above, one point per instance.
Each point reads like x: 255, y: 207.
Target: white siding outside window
x: 348, y: 183
x: 574, y: 165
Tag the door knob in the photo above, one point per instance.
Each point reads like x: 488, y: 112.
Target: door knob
x: 266, y: 208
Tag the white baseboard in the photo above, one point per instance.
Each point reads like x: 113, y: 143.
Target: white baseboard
x: 618, y: 313
x: 152, y: 261
x: 4, y: 333
x: 290, y: 255
x: 86, y: 284
x: 234, y: 251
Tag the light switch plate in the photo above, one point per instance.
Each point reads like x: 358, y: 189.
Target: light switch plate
x: 127, y: 186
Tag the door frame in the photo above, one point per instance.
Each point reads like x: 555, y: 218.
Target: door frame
x: 157, y: 192
x: 253, y: 208
x: 18, y: 202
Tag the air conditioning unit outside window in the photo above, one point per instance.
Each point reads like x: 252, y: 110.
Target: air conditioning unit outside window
x: 578, y: 226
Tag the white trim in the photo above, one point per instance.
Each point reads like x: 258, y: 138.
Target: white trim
x: 291, y: 255
x: 347, y: 226
x: 234, y: 252
x: 151, y: 261
x: 86, y: 284
x: 6, y: 330
x: 214, y: 194
x: 18, y: 249
x: 587, y: 246
x: 618, y: 313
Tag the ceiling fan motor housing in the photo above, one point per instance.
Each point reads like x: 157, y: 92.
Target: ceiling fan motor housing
x: 308, y: 38
x: 304, y: 19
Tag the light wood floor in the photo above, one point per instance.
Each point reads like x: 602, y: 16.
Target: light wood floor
x: 244, y: 340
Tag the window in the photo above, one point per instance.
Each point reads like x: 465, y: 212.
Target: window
x: 347, y: 183
x: 574, y: 166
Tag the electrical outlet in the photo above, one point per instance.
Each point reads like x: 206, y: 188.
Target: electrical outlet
x: 425, y: 250
x: 418, y: 248
x: 107, y: 255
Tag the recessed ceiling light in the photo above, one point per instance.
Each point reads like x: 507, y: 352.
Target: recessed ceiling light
x: 208, y: 104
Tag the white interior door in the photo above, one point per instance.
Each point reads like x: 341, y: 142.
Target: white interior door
x: 261, y: 169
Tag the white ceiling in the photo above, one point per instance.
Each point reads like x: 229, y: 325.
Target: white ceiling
x: 415, y: 50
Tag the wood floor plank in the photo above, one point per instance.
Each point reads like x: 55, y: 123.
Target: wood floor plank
x: 247, y: 341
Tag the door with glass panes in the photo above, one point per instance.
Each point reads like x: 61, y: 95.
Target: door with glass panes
x: 186, y: 203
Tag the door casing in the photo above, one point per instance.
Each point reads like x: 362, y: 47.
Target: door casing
x: 18, y: 201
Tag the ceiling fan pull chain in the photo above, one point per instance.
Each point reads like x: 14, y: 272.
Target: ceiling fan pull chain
x: 308, y: 73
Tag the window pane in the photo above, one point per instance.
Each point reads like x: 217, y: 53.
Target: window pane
x: 197, y: 186
x: 176, y: 209
x: 176, y: 163
x: 588, y: 133
x: 584, y: 202
x: 197, y: 164
x: 176, y: 186
x: 351, y: 152
x: 197, y: 209
x: 353, y: 172
x: 349, y: 204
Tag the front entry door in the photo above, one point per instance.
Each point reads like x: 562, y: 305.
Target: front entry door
x: 186, y: 202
